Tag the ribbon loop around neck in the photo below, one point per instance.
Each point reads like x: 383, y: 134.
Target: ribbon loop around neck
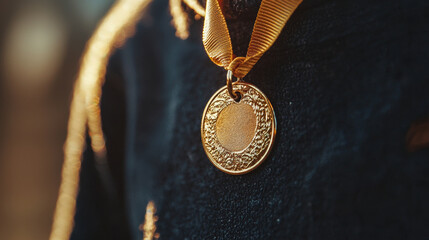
x: 272, y: 17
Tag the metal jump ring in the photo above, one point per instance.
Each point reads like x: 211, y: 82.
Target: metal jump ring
x: 233, y: 95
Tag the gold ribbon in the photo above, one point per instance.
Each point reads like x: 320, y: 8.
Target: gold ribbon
x: 272, y: 17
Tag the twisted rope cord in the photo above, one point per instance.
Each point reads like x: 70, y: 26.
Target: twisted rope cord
x: 113, y: 30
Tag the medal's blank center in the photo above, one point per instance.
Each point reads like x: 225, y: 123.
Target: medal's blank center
x: 235, y: 126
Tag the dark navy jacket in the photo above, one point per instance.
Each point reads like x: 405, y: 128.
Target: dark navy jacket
x: 346, y: 78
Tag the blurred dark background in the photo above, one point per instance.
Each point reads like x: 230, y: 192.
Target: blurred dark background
x: 41, y: 42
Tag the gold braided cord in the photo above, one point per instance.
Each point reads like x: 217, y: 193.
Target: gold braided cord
x: 149, y: 225
x: 180, y: 19
x: 272, y: 17
x: 113, y: 30
x: 73, y: 148
x: 85, y: 109
x: 196, y: 6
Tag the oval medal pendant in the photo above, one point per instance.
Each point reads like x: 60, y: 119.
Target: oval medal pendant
x: 238, y: 135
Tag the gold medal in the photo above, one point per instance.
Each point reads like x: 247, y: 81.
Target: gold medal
x: 238, y: 125
x: 238, y: 134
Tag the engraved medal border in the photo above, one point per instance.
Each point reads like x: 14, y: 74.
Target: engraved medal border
x: 248, y: 159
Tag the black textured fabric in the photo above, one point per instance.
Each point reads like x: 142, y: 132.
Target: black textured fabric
x: 346, y: 79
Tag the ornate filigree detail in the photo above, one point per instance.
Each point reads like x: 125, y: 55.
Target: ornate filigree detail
x: 239, y: 162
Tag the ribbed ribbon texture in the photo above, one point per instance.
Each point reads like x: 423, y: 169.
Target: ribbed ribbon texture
x: 272, y: 17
